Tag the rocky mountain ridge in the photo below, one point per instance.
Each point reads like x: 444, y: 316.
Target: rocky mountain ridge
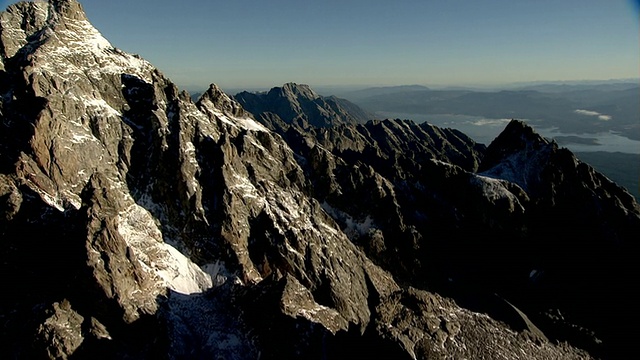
x: 522, y: 218
x: 298, y: 103
x: 137, y: 223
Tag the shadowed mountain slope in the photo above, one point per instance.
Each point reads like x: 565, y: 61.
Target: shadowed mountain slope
x: 299, y: 103
x: 137, y: 223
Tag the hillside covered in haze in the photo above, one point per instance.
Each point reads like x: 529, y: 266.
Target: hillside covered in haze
x: 570, y: 108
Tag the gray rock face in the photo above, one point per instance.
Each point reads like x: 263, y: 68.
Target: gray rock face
x: 143, y: 184
x: 136, y: 223
x: 423, y: 325
x: 293, y: 103
x: 61, y: 334
x: 582, y: 227
x: 522, y: 218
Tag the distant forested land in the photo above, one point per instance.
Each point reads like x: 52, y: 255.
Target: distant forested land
x: 622, y: 168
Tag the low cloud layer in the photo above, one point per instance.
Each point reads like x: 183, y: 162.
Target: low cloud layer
x: 491, y: 122
x: 594, y: 113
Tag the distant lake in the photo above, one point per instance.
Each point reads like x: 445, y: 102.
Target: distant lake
x: 484, y: 130
x: 609, y: 142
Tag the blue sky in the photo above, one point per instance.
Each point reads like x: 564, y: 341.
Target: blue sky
x: 254, y: 44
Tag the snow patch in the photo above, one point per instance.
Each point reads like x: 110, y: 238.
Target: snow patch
x: 494, y: 189
x: 174, y: 270
x: 244, y: 187
x: 283, y: 207
x: 352, y: 228
x: 521, y: 167
x: 53, y: 201
x: 238, y: 122
x: 82, y: 138
x: 73, y: 199
x: 250, y: 124
x: 217, y: 271
x: 100, y: 107
x: 79, y: 39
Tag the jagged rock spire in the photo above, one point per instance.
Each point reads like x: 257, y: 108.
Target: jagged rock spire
x: 222, y: 101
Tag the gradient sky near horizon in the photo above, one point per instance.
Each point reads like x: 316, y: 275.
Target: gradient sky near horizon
x: 259, y: 44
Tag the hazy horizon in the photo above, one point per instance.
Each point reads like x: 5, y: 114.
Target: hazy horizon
x: 258, y: 45
x: 325, y: 89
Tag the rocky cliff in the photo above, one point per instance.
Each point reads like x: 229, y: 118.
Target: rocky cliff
x: 298, y: 103
x: 137, y: 223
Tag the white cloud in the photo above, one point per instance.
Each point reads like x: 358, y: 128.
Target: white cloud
x: 587, y: 112
x: 494, y: 122
x: 594, y: 113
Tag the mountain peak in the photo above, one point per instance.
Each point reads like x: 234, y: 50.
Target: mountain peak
x: 51, y: 11
x: 516, y: 137
x: 520, y: 129
x: 293, y: 90
x: 293, y: 102
x: 222, y: 101
x: 70, y: 8
x: 55, y: 40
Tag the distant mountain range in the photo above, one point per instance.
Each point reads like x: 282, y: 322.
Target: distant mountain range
x: 576, y: 87
x: 294, y: 102
x: 576, y: 108
x: 382, y: 91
